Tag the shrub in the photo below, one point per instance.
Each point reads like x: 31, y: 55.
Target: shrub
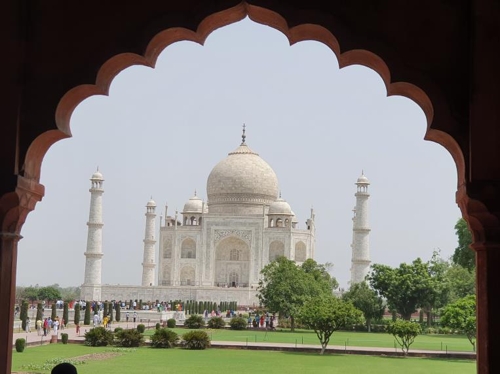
x: 238, y: 323
x: 86, y: 317
x: 129, y: 338
x: 76, y: 318
x: 66, y: 313
x: 164, y: 338
x: 194, y: 321
x: 141, y: 328
x: 20, y: 344
x: 117, y: 312
x: 53, y: 315
x: 118, y: 329
x: 157, y: 326
x: 196, y: 340
x: 24, y: 314
x: 98, y: 337
x: 216, y: 323
x: 405, y: 333
x: 171, y: 323
x: 64, y: 338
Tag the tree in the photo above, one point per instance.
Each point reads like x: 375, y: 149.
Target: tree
x: 54, y: 312
x: 327, y: 314
x: 49, y: 293
x: 65, y: 313
x: 39, y: 312
x: 117, y: 312
x: 320, y: 274
x: 77, y: 314
x: 367, y: 301
x: 31, y: 294
x: 461, y: 315
x: 404, y: 332
x: 23, y: 315
x: 86, y: 317
x: 406, y: 288
x: 461, y: 282
x: 284, y: 287
x: 464, y: 255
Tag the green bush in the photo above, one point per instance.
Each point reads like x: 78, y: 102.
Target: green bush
x: 157, y: 326
x: 129, y: 338
x: 98, y: 337
x: 164, y: 338
x: 117, y: 312
x: 23, y: 315
x: 76, y: 318
x: 20, y: 344
x: 141, y: 328
x: 86, y: 317
x: 66, y: 313
x: 118, y: 329
x: 171, y: 323
x: 216, y: 323
x: 53, y: 315
x: 238, y: 323
x: 196, y: 340
x: 194, y: 321
x: 64, y: 338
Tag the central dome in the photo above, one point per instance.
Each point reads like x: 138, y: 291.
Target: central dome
x: 241, y: 183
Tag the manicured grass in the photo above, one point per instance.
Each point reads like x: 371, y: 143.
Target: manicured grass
x: 179, y: 361
x: 339, y: 338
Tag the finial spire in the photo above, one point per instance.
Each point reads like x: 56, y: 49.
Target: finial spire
x: 243, y: 136
x: 195, y: 192
x: 280, y: 194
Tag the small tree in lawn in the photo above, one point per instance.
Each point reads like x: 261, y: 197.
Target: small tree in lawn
x: 404, y: 332
x: 117, y: 312
x: 461, y: 315
x: 39, y: 312
x: 327, y: 314
x: 86, y: 318
x: 23, y: 315
x: 77, y: 314
x: 110, y: 312
x: 53, y: 315
x: 66, y: 312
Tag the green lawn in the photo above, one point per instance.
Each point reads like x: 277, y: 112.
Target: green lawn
x: 179, y: 361
x: 341, y: 338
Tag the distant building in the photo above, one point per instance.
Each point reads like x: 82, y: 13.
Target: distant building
x: 214, y: 250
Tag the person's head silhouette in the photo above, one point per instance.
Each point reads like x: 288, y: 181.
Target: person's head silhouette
x: 64, y: 368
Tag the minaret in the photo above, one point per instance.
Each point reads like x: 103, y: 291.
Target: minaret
x: 148, y: 263
x: 91, y: 288
x: 360, y: 262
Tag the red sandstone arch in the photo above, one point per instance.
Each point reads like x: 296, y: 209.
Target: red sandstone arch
x: 296, y: 34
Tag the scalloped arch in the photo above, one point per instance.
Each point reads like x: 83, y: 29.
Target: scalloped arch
x: 163, y: 39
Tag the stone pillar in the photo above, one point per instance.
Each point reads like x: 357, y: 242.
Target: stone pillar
x: 488, y: 323
x: 8, y: 264
x: 148, y: 263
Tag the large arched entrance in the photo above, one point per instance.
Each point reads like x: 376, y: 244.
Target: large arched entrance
x: 232, y: 263
x: 463, y: 95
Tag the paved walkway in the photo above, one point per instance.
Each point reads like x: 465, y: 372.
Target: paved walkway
x: 34, y: 339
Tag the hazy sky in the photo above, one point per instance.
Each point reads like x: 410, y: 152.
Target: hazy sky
x: 160, y: 132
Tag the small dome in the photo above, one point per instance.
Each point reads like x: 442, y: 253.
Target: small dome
x: 294, y: 218
x: 281, y: 207
x: 194, y: 205
x: 151, y: 203
x: 363, y: 180
x: 97, y: 176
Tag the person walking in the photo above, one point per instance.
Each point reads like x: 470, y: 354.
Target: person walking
x: 39, y: 327
x: 28, y: 324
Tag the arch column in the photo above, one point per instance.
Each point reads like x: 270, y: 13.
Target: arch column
x: 14, y: 208
x: 488, y: 294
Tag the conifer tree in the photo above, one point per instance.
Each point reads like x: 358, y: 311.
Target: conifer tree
x: 86, y: 318
x: 76, y: 318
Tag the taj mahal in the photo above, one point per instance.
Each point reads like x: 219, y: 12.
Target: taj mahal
x: 214, y: 250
